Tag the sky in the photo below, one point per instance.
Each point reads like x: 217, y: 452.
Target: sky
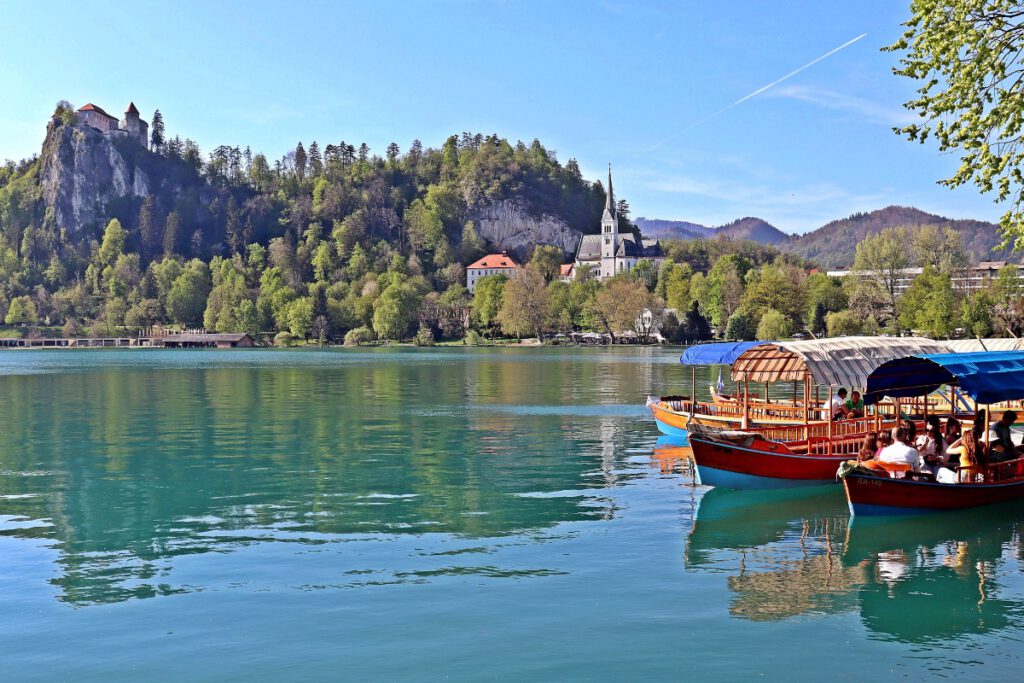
x: 639, y: 85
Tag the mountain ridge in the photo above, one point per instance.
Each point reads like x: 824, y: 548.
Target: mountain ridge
x: 834, y: 244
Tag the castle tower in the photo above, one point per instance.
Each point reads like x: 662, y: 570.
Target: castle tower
x: 609, y: 231
x: 136, y: 128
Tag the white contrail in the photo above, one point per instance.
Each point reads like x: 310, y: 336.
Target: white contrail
x: 757, y: 92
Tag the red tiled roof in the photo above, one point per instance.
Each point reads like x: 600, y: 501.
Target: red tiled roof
x: 494, y: 261
x: 565, y: 269
x: 131, y: 109
x: 98, y: 110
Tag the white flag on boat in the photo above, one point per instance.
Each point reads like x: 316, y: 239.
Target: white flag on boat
x: 721, y: 382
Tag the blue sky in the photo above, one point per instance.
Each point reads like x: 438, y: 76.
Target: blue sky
x: 598, y: 81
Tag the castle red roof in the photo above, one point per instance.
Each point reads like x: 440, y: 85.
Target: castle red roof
x: 98, y: 110
x: 494, y: 261
x: 131, y: 109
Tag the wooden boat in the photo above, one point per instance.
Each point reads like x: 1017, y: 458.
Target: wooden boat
x: 808, y: 453
x: 771, y: 362
x: 988, y: 377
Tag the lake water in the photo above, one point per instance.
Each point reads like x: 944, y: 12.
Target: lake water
x: 446, y: 514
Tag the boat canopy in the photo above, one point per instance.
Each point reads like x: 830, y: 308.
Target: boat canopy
x: 841, y: 361
x: 974, y: 345
x: 718, y: 353
x: 987, y: 376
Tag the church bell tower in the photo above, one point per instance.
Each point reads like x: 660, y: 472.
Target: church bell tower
x: 609, y: 231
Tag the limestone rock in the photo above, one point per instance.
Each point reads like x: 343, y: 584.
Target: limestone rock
x: 508, y: 226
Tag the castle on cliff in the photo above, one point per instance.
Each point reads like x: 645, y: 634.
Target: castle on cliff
x: 131, y: 127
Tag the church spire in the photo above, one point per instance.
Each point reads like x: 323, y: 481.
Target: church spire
x: 609, y: 202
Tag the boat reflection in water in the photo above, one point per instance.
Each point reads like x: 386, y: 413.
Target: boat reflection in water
x: 673, y: 455
x: 918, y: 580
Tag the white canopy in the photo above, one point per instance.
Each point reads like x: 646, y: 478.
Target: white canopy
x: 975, y: 345
x: 842, y: 361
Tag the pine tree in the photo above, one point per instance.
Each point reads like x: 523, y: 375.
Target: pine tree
x: 233, y: 226
x: 156, y: 135
x: 316, y: 163
x: 393, y: 152
x: 172, y: 229
x: 300, y: 161
x: 149, y: 238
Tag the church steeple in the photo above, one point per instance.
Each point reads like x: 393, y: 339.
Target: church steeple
x: 609, y: 200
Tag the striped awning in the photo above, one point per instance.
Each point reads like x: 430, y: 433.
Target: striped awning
x: 976, y: 345
x: 842, y: 361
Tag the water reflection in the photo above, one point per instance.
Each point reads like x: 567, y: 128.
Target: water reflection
x: 929, y: 579
x: 122, y: 469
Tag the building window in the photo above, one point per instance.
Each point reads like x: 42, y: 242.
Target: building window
x: 607, y: 240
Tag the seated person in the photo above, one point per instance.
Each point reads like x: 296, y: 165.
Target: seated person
x: 900, y: 453
x: 1002, y: 447
x: 967, y: 452
x: 952, y: 431
x: 854, y: 406
x: 884, y: 439
x: 931, y: 448
x: 837, y: 406
x: 869, y: 449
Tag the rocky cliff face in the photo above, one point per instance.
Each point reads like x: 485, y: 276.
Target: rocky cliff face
x: 83, y: 170
x: 508, y: 226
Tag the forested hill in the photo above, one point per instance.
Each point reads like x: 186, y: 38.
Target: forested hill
x: 441, y: 205
x: 834, y: 244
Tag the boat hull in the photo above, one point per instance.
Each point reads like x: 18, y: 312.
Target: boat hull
x: 763, y: 465
x: 878, y: 496
x: 670, y: 423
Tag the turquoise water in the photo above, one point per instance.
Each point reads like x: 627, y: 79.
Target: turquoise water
x: 446, y: 514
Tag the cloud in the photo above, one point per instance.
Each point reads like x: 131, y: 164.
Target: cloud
x: 829, y: 99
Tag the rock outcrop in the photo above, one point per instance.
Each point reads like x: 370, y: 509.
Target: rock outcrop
x: 83, y: 170
x: 509, y: 227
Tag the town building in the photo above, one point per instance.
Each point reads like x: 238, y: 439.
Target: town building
x: 132, y: 127
x: 610, y: 253
x: 492, y: 264
x: 966, y: 281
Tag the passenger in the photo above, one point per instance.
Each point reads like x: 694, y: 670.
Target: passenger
x: 884, y: 439
x: 968, y: 452
x: 837, y: 406
x: 931, y: 448
x: 910, y: 428
x: 854, y: 407
x: 900, y: 453
x: 953, y: 430
x: 869, y: 449
x: 1003, y: 443
x: 933, y: 421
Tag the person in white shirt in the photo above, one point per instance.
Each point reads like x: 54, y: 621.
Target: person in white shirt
x: 899, y: 452
x: 837, y: 406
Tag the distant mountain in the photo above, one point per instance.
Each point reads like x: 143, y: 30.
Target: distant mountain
x: 682, y: 230
x: 753, y: 229
x: 834, y: 244
x: 743, y: 229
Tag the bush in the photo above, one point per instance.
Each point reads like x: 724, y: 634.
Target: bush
x: 359, y: 335
x: 424, y: 336
x: 773, y: 325
x: 284, y: 339
x: 473, y: 338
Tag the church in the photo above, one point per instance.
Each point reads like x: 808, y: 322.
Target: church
x: 610, y: 252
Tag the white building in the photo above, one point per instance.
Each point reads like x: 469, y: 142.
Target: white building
x: 611, y: 253
x: 967, y: 280
x: 492, y: 264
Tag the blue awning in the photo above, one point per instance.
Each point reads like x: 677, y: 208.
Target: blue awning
x: 987, y: 377
x: 719, y: 353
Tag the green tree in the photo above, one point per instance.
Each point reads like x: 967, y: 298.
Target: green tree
x: 186, y: 300
x: 824, y: 295
x: 112, y: 246
x: 525, y: 304
x: 774, y: 325
x: 965, y: 54
x: 625, y: 305
x: 880, y: 264
x: 22, y: 311
x: 976, y: 315
x: 487, y: 298
x: 547, y: 259
x: 300, y: 317
x: 929, y: 306
x: 394, y: 311
x: 741, y: 326
x: 843, y: 324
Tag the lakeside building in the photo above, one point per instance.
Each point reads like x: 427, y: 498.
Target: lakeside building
x: 492, y: 264
x: 966, y: 281
x: 610, y: 253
